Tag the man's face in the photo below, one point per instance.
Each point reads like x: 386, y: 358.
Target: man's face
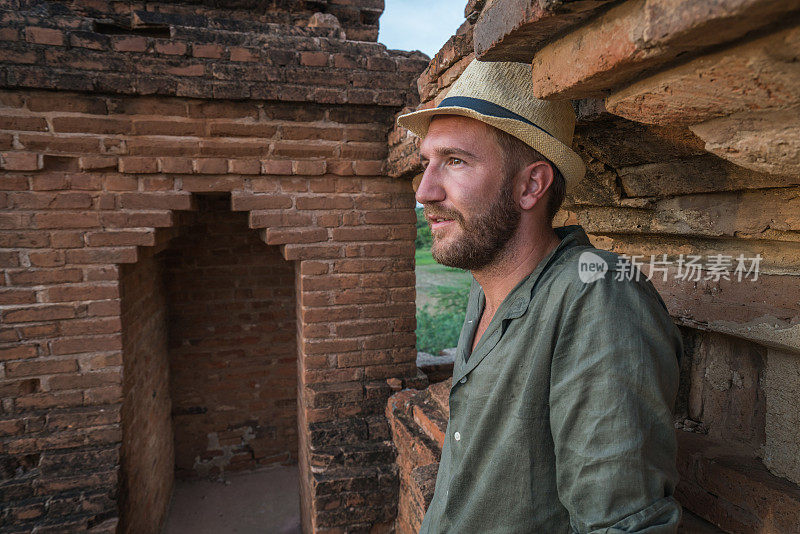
x: 466, y: 192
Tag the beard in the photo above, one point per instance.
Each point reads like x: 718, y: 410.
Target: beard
x: 482, y: 237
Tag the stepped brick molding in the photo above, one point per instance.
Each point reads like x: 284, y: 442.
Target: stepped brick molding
x: 204, y: 265
x: 687, y: 121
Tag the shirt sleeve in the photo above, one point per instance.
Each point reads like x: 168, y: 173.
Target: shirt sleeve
x: 614, y: 379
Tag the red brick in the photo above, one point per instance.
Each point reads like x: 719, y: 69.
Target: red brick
x: 156, y: 200
x: 35, y: 368
x: 311, y: 132
x: 381, y: 64
x: 21, y: 161
x: 211, y: 166
x: 340, y: 168
x: 109, y: 325
x: 279, y: 167
x: 94, y: 41
x: 172, y: 48
x: 51, y: 143
x: 90, y: 163
x: 168, y: 126
x: 103, y: 395
x: 129, y: 44
x: 17, y: 296
x: 104, y: 361
x: 617, y: 46
x: 116, y: 238
x: 362, y: 233
x: 187, y: 70
x: 297, y: 149
x: 244, y: 54
x: 48, y: 101
x: 86, y: 344
x: 66, y: 239
x: 176, y: 165
x: 390, y: 217
x: 102, y: 255
x: 244, y: 201
x: 244, y: 166
x: 263, y: 219
x: 332, y: 375
x: 308, y: 168
x: 49, y: 258
x: 211, y: 51
x: 66, y: 219
x: 13, y: 56
x: 314, y: 59
x: 294, y: 185
x: 299, y: 235
x: 305, y: 252
x: 333, y: 202
x: 9, y: 34
x: 44, y: 276
x: 137, y: 165
x: 49, y: 400
x: 369, y: 168
x: 37, y: 313
x: 83, y: 292
x: 88, y: 124
x: 242, y: 129
x: 344, y: 61
x: 138, y: 219
x: 45, y: 36
x: 103, y: 308
x: 21, y: 352
x: 21, y: 122
x: 212, y: 183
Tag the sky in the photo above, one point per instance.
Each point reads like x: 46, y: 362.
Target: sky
x: 423, y: 25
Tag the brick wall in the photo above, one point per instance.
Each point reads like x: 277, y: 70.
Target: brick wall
x: 147, y: 456
x: 232, y: 350
x: 687, y: 122
x: 78, y: 211
x: 115, y: 124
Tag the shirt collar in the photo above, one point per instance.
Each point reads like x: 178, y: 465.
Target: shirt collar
x: 520, y: 297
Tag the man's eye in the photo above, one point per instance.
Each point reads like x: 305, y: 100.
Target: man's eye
x: 454, y: 161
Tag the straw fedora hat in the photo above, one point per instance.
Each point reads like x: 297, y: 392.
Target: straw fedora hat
x: 501, y: 95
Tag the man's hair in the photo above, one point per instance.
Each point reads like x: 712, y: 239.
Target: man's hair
x: 517, y: 154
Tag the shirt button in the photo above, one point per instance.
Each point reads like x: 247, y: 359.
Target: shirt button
x: 457, y: 436
x: 463, y: 380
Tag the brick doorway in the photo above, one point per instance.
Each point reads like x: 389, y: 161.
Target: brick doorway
x: 210, y: 360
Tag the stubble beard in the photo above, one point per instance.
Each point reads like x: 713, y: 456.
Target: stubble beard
x: 482, y: 237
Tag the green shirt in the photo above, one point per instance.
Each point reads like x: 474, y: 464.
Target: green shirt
x: 560, y: 420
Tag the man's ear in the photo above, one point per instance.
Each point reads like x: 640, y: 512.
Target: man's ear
x: 537, y: 178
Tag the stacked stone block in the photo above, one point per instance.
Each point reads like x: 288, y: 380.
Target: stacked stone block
x: 687, y: 120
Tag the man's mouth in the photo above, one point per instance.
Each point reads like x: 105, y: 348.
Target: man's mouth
x: 438, y: 222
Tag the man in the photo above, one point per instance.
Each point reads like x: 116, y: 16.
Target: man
x: 566, y: 370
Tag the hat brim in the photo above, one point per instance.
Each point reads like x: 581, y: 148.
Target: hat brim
x: 568, y: 162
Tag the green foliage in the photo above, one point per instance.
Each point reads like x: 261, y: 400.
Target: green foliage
x: 439, y: 325
x: 422, y: 256
x: 424, y: 237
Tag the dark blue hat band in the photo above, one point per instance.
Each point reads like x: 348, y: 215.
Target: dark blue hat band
x: 484, y: 107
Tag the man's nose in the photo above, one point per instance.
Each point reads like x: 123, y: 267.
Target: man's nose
x: 429, y: 188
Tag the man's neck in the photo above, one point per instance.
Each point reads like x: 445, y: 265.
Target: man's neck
x: 520, y: 258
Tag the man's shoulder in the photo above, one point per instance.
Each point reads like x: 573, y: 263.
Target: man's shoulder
x: 585, y: 269
x: 584, y: 263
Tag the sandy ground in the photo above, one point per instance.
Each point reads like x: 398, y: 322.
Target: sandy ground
x: 266, y: 501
